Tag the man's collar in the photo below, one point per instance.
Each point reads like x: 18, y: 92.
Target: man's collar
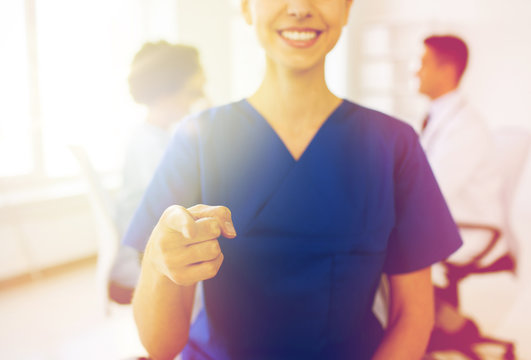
x: 444, y: 102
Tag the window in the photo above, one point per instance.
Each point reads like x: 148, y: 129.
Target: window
x: 15, y: 121
x: 64, y: 79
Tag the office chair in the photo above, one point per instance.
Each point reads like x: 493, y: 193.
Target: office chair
x: 102, y: 202
x: 103, y: 209
x: 453, y: 331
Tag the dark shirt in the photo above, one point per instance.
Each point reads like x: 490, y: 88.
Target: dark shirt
x: 314, y: 234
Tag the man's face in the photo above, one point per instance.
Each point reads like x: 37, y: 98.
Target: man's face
x: 431, y: 74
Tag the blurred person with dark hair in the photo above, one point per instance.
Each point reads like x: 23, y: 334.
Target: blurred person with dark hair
x: 461, y: 150
x: 458, y: 143
x: 168, y: 80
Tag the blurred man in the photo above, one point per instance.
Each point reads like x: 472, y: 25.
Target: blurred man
x: 458, y: 143
x: 461, y: 151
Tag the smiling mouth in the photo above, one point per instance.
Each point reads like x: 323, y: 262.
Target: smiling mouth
x: 299, y: 35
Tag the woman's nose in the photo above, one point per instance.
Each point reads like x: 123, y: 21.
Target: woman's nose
x: 299, y: 9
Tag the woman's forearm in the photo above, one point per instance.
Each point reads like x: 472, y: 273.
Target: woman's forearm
x: 406, y: 338
x: 162, y: 312
x: 183, y: 249
x: 411, y: 316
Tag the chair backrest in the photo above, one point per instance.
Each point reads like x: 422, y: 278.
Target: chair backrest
x: 103, y: 209
x: 513, y: 145
x: 100, y: 195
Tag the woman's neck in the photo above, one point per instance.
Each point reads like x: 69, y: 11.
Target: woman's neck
x: 159, y: 119
x: 295, y: 104
x: 301, y: 96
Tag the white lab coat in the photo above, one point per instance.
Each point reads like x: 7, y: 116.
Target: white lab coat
x: 460, y: 147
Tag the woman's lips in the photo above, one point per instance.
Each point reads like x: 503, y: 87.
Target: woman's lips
x: 300, y: 38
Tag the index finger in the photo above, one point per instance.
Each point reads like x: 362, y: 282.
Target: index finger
x: 221, y: 213
x: 177, y: 219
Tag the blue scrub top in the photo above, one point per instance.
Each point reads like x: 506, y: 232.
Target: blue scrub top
x: 314, y: 234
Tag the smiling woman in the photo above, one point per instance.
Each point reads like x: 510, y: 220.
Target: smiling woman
x: 311, y: 198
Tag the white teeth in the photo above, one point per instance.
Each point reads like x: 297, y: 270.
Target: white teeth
x: 299, y: 35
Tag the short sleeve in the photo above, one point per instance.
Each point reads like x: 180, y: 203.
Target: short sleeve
x: 176, y: 182
x: 424, y: 231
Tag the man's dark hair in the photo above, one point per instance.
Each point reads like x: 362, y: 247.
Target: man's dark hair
x: 160, y: 69
x: 450, y: 48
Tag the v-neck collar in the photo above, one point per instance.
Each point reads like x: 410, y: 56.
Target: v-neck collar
x: 336, y: 113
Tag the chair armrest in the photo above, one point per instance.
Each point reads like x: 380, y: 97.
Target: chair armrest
x: 495, y: 234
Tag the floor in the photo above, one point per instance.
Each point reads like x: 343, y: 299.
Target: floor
x: 60, y: 317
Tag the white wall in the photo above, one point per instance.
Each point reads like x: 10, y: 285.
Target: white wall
x: 39, y: 234
x: 206, y: 24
